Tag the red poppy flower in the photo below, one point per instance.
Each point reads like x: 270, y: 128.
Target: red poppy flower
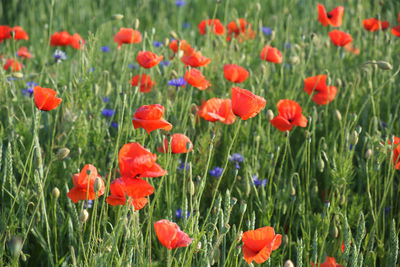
x: 150, y: 118
x: 235, y: 73
x: 271, y: 54
x: 290, y: 114
x: 245, y: 104
x: 148, y: 59
x: 180, y: 143
x: 5, y: 32
x: 45, y: 98
x: 19, y: 33
x: 242, y: 31
x: 340, y: 38
x: 196, y: 79
x: 373, y: 24
x: 135, y: 161
x: 329, y: 262
x: 127, y: 36
x: 60, y: 39
x: 216, y: 109
x: 77, y: 41
x: 396, y: 30
x: 13, y: 64
x: 183, y: 45
x: 258, y: 244
x: 216, y: 25
x: 333, y: 18
x: 83, y: 181
x: 396, y: 152
x: 146, y: 84
x: 195, y: 59
x: 24, y: 52
x: 136, y: 189
x: 323, y: 94
x: 170, y: 235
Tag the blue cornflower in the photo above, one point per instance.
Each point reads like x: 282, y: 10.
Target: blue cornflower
x: 288, y: 45
x: 106, y: 99
x: 157, y: 44
x: 266, y: 30
x: 352, y: 147
x: 114, y: 124
x: 180, y: 3
x: 164, y: 63
x: 91, y: 69
x: 236, y: 158
x: 258, y: 182
x: 29, y: 90
x: 216, y: 172
x: 107, y: 112
x: 88, y: 204
x: 178, y: 213
x: 186, y: 25
x: 177, y: 82
x: 59, y: 56
x: 132, y: 66
x: 181, y: 165
x: 105, y: 49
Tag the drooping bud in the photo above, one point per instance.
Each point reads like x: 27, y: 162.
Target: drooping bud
x: 191, y: 188
x: 117, y: 17
x: 383, y: 65
x: 15, y: 246
x: 62, y: 153
x: 18, y: 75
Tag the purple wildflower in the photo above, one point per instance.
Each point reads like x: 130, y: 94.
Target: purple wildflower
x: 157, y: 44
x: 216, y: 172
x: 177, y: 82
x: 107, y: 112
x: 105, y: 49
x: 59, y: 56
x: 180, y: 2
x: 266, y: 30
x: 236, y: 158
x: 178, y: 213
x: 258, y: 182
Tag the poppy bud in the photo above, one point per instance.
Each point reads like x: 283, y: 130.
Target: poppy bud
x: 17, y: 75
x: 314, y: 38
x: 23, y: 257
x: 285, y: 240
x: 180, y: 53
x: 315, y: 189
x: 83, y: 216
x: 292, y: 191
x: 117, y: 17
x: 243, y: 207
x: 342, y: 200
x: 294, y: 60
x: 368, y: 153
x: 288, y: 263
x: 327, y: 43
x: 97, y: 185
x: 358, y: 129
x: 273, y: 35
x: 297, y: 47
x: 354, y: 138
x: 284, y: 209
x: 62, y: 153
x: 15, y: 246
x: 383, y: 65
x: 320, y: 164
x: 258, y: 6
x: 136, y: 24
x: 166, y: 42
x: 191, y: 188
x: 338, y: 82
x: 174, y: 35
x: 198, y: 247
x: 55, y: 193
x: 338, y: 115
x: 270, y: 115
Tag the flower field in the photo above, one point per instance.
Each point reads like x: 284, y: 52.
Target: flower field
x: 199, y: 133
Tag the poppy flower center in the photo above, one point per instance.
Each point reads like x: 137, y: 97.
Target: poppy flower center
x: 329, y: 15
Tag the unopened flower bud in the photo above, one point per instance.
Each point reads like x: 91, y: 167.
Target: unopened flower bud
x: 335, y: 232
x: 83, y: 216
x: 97, y: 185
x: 354, y: 138
x: 243, y: 207
x: 292, y: 191
x: 338, y: 82
x: 368, y: 153
x: 117, y: 17
x: 15, y: 246
x: 285, y: 240
x: 55, y: 193
x: 18, y: 75
x: 288, y: 263
x: 174, y: 35
x: 136, y: 24
x: 270, y: 115
x: 166, y: 42
x: 294, y: 60
x: 320, y: 164
x: 338, y: 115
x: 191, y: 188
x: 383, y: 65
x: 62, y: 153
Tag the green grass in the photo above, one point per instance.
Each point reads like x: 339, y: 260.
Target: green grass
x: 318, y: 193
